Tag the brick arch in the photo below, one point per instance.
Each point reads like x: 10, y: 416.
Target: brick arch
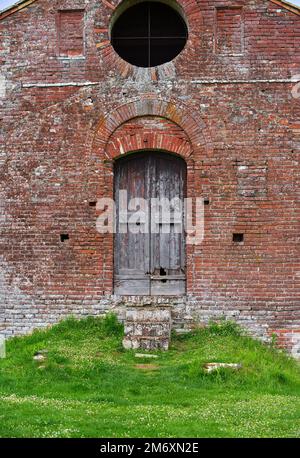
x: 193, y: 129
x: 151, y: 133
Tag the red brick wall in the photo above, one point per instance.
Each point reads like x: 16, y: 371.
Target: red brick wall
x: 225, y: 103
x: 229, y: 30
x: 70, y: 33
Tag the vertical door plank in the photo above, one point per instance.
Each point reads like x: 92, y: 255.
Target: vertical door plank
x: 131, y: 252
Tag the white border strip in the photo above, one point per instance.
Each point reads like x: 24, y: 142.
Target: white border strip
x: 96, y: 83
x: 242, y: 81
x: 72, y: 83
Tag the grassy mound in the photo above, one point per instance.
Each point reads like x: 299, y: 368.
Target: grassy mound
x: 89, y: 386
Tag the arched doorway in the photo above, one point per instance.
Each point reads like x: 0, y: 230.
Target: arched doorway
x: 149, y: 247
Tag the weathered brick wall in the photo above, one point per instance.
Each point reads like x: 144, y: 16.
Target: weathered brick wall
x: 226, y: 102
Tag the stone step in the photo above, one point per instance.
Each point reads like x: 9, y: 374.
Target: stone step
x: 147, y: 327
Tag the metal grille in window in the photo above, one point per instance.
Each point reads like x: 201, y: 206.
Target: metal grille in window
x: 149, y: 34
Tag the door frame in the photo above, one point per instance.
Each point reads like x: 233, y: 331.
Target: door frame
x: 185, y: 163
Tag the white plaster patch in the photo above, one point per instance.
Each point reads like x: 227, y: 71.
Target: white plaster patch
x: 2, y: 87
x: 295, y: 339
x: 2, y: 347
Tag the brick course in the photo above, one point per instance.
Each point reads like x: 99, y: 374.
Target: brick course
x: 225, y: 104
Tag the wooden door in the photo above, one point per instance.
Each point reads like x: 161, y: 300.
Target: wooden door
x: 149, y: 251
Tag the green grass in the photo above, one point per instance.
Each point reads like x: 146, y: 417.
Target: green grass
x: 90, y: 387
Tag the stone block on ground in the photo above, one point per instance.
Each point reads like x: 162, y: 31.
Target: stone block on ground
x: 147, y: 328
x: 210, y: 367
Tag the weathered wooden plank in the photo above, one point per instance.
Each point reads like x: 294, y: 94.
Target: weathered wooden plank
x: 169, y: 288
x: 139, y: 287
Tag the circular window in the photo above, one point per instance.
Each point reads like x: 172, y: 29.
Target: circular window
x: 149, y: 34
